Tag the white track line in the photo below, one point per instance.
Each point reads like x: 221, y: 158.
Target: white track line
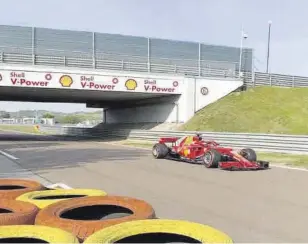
x: 288, y: 167
x: 60, y: 185
x: 10, y: 156
x: 272, y: 165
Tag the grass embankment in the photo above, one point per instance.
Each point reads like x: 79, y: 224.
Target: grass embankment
x: 257, y: 110
x: 275, y: 158
x: 20, y: 128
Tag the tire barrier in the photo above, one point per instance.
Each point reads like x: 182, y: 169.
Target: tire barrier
x: 33, y: 213
x: 159, y: 231
x: 84, y: 216
x: 12, y: 188
x: 14, y: 212
x: 43, y: 199
x: 34, y: 234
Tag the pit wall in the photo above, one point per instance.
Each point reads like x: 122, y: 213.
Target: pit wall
x: 197, y: 93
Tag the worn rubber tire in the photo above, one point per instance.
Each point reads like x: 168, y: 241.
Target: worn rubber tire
x: 199, y: 232
x: 249, y: 154
x: 160, y: 150
x: 50, y: 216
x: 31, y: 196
x: 29, y: 185
x: 21, y: 213
x: 48, y: 234
x: 215, y: 159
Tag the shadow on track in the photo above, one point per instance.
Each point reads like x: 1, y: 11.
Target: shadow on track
x: 39, y: 153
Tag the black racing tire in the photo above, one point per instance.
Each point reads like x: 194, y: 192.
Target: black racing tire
x: 160, y: 150
x: 249, y: 154
x: 211, y: 159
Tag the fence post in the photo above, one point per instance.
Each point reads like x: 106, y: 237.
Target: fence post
x: 293, y: 83
x: 270, y: 79
x: 93, y: 51
x: 199, y: 59
x: 149, y: 54
x: 33, y: 44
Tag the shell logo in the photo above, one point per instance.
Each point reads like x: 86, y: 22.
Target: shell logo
x: 66, y: 81
x: 131, y: 84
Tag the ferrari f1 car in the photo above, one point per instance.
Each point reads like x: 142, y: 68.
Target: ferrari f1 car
x: 194, y: 149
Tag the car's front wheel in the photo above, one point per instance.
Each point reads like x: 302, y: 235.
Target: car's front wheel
x: 249, y: 154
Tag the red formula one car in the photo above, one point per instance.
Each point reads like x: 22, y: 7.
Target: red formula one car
x: 194, y: 149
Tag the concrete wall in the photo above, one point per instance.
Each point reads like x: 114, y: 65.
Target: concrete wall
x: 197, y: 94
x: 211, y: 90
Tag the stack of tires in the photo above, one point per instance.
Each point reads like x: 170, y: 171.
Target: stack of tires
x: 32, y: 213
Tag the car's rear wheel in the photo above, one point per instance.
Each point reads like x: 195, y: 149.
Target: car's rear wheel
x: 160, y: 150
x: 249, y: 154
x: 211, y: 159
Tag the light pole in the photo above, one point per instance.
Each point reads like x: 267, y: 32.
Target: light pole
x: 244, y: 36
x: 268, y: 44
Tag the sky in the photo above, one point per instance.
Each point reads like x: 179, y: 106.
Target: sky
x: 207, y: 21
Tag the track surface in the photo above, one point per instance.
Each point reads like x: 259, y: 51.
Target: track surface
x: 262, y: 206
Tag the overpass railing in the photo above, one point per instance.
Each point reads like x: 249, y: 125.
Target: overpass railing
x: 265, y: 79
x: 251, y: 79
x: 262, y: 142
x: 101, y: 62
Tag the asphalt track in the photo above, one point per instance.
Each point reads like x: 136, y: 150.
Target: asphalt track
x: 262, y: 206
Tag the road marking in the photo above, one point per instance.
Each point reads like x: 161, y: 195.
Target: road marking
x: 289, y: 167
x: 59, y: 185
x: 10, y: 156
x: 272, y: 165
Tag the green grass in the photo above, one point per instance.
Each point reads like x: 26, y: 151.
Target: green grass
x: 297, y: 160
x: 257, y: 110
x: 20, y: 128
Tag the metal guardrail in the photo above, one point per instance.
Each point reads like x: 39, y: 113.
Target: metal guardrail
x: 262, y: 142
x: 264, y: 79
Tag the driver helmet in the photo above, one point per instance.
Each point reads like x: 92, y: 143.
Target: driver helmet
x: 199, y: 136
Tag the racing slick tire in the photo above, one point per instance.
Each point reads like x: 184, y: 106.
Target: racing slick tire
x: 84, y: 216
x: 211, y: 159
x: 34, y: 234
x: 159, y: 231
x: 249, y: 154
x: 160, y: 150
x: 42, y: 199
x: 14, y: 212
x: 12, y: 188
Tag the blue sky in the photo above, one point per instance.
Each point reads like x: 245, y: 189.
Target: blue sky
x: 208, y: 21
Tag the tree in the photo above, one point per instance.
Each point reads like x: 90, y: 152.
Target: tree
x: 71, y: 119
x: 48, y: 116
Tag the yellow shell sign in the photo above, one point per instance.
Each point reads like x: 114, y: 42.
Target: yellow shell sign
x: 66, y: 81
x: 131, y: 84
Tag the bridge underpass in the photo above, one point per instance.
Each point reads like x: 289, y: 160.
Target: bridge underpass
x: 93, y: 98
x: 122, y: 94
